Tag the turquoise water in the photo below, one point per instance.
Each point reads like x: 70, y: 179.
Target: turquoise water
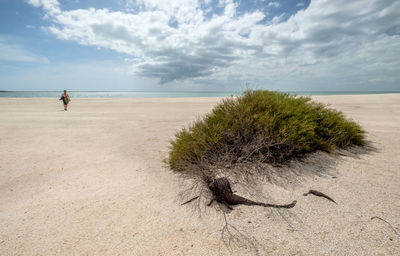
x: 73, y: 94
x: 55, y: 94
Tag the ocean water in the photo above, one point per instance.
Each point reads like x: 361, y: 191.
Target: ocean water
x: 55, y: 94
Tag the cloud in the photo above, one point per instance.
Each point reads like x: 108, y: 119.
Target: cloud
x: 16, y: 53
x: 274, y: 4
x: 278, y: 19
x: 196, y: 48
x: 177, y: 41
x: 50, y: 6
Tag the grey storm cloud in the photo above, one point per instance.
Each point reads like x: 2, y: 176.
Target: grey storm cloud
x: 177, y: 66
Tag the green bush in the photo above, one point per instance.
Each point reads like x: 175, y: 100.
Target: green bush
x: 262, y: 126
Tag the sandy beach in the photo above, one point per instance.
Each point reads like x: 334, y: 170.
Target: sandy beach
x: 92, y: 181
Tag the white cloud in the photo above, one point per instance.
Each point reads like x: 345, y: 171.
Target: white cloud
x: 274, y: 4
x: 278, y: 19
x: 51, y: 6
x: 311, y: 44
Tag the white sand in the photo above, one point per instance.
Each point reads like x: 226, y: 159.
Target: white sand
x: 91, y: 181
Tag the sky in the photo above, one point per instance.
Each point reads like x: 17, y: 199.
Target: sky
x: 200, y: 45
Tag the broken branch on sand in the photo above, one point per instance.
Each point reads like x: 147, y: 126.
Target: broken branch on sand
x: 320, y: 194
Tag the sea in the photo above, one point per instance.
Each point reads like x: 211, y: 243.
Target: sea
x: 116, y: 94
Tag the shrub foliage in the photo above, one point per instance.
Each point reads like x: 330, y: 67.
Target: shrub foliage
x: 262, y: 126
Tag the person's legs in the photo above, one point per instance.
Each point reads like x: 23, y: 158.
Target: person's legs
x: 65, y: 107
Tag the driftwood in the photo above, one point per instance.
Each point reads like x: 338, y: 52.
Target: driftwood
x: 222, y: 193
x: 320, y: 194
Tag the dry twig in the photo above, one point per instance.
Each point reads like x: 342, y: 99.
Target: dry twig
x: 379, y: 218
x: 190, y: 200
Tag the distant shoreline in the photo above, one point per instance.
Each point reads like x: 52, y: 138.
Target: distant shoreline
x: 141, y: 94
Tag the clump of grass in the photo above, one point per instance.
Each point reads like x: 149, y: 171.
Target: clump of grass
x: 262, y: 126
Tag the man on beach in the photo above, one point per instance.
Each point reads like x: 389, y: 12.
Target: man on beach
x: 65, y: 98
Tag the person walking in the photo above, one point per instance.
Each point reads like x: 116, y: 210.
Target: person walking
x: 65, y: 98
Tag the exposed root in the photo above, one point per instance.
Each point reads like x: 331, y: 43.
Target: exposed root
x: 223, y: 194
x: 230, y: 235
